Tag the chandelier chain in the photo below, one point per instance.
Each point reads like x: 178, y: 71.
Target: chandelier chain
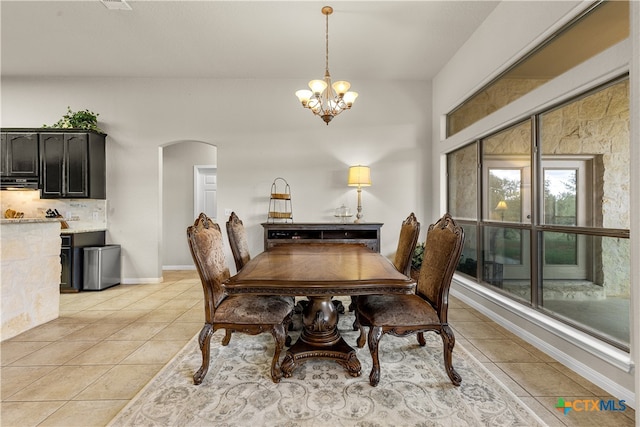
x: 327, y: 43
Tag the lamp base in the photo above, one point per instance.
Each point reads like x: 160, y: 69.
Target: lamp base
x: 359, y: 214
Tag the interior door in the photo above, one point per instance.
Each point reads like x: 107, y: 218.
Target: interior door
x: 205, y: 187
x: 567, y: 186
x: 507, y: 184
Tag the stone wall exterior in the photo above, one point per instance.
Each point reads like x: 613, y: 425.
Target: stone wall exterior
x: 502, y: 92
x: 463, y: 195
x: 29, y: 276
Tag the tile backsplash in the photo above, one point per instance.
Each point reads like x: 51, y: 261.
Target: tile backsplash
x: 79, y: 213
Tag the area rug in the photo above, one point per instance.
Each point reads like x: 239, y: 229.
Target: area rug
x: 414, y: 389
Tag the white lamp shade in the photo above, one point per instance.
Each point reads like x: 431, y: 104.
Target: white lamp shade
x: 317, y: 86
x: 341, y: 87
x: 359, y: 176
x: 350, y: 97
x: 304, y: 95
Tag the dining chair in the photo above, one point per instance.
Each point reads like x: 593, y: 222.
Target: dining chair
x: 251, y: 314
x: 238, y: 241
x: 409, y: 232
x: 240, y: 249
x: 423, y: 311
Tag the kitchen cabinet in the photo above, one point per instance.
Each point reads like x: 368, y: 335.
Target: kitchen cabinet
x: 288, y: 233
x: 72, y: 257
x: 73, y: 164
x: 19, y: 154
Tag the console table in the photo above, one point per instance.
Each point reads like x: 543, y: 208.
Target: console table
x: 313, y: 232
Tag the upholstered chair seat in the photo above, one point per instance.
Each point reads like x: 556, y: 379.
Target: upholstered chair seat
x: 406, y: 310
x: 253, y: 309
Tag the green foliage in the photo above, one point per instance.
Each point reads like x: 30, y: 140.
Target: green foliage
x: 418, y: 257
x: 84, y: 119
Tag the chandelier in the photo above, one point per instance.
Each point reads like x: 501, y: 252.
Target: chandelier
x: 325, y: 99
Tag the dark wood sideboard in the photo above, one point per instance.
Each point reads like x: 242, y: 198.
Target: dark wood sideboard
x: 314, y: 232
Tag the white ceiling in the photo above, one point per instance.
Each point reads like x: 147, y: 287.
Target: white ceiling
x: 409, y: 40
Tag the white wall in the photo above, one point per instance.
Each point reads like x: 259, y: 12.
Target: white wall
x: 509, y: 32
x: 260, y: 132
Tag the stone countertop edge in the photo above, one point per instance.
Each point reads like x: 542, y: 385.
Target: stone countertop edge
x: 80, y: 230
x: 48, y: 220
x: 27, y: 220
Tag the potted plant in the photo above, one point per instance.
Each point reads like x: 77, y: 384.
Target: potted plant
x: 416, y: 260
x: 83, y: 119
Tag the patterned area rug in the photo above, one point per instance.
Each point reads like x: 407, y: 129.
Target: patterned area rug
x: 414, y: 389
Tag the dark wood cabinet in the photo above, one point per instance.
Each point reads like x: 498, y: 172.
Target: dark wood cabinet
x: 73, y: 165
x: 366, y: 233
x: 72, y: 257
x: 19, y: 154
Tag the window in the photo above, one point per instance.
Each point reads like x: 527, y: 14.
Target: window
x: 599, y: 28
x: 551, y: 221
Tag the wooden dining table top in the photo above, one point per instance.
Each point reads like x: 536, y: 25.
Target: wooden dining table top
x: 319, y: 269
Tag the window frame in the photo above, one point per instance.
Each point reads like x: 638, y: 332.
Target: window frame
x: 537, y: 227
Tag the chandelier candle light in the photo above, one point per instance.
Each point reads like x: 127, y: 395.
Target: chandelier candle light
x: 359, y: 176
x: 325, y: 99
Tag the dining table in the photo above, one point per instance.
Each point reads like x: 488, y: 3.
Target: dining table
x: 319, y: 271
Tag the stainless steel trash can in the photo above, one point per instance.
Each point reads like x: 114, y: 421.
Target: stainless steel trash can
x: 101, y: 267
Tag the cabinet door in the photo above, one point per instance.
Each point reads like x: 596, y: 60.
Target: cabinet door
x: 65, y: 168
x: 3, y: 154
x: 65, y: 274
x: 76, y: 165
x: 52, y: 162
x: 21, y: 153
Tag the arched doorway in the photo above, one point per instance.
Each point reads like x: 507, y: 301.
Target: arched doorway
x: 177, y: 177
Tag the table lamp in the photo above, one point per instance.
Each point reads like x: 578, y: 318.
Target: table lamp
x: 501, y: 207
x: 359, y: 176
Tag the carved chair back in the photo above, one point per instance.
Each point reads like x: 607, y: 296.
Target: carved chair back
x: 205, y: 242
x: 406, y: 244
x: 238, y: 241
x: 442, y: 253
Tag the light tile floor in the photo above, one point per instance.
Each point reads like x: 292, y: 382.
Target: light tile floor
x: 84, y: 367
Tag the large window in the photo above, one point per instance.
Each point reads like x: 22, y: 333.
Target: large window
x: 545, y: 207
x: 599, y: 28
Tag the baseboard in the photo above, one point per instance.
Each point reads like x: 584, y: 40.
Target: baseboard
x: 179, y: 267
x: 137, y: 280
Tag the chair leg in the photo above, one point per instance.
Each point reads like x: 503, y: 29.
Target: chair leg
x: 352, y: 304
x: 421, y: 340
x: 356, y: 325
x: 279, y: 333
x: 227, y: 336
x: 448, y: 341
x: 352, y: 307
x: 204, y: 339
x: 375, y: 334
